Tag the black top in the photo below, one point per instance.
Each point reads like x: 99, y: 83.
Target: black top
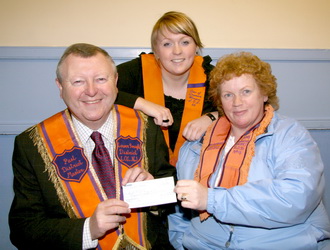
x: 130, y: 86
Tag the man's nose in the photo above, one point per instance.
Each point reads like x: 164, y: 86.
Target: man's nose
x: 91, y: 88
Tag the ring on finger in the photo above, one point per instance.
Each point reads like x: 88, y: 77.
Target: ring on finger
x: 184, y: 197
x: 167, y: 120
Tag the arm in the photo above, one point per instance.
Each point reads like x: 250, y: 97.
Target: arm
x: 131, y: 92
x: 285, y: 183
x: 36, y: 218
x: 287, y: 195
x: 130, y: 83
x: 178, y: 224
x: 196, y: 128
x: 158, y: 112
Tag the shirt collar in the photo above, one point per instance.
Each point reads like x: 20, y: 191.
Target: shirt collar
x: 85, y: 132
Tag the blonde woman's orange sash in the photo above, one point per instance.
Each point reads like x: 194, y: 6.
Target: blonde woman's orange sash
x: 194, y: 102
x: 236, y: 164
x: 74, y: 178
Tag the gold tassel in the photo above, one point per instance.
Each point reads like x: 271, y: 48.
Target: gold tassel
x: 50, y: 169
x: 244, y: 172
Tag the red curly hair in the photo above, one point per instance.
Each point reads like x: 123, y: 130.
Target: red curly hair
x: 237, y: 64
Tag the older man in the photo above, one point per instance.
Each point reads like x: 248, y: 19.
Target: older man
x: 69, y: 169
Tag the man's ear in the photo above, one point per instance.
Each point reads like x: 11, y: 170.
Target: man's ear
x: 116, y: 78
x: 59, y: 85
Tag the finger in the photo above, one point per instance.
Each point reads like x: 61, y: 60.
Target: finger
x: 185, y: 132
x: 184, y: 183
x: 121, y: 212
x: 107, y: 216
x: 165, y: 124
x: 167, y: 121
x: 170, y: 117
x: 114, y: 202
x: 194, y: 135
x: 158, y: 121
x: 184, y: 197
x: 114, y: 206
x: 142, y: 176
x: 189, y: 132
x: 126, y: 177
x: 136, y: 174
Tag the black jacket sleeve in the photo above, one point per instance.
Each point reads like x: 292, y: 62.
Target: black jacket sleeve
x: 37, y: 220
x: 130, y: 82
x: 208, y: 105
x: 157, y: 151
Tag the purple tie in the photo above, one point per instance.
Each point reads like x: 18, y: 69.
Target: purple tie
x: 103, y: 166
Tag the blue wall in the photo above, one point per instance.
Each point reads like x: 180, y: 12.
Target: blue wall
x: 29, y: 95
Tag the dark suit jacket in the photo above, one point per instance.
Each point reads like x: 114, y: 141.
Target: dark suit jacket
x: 37, y: 219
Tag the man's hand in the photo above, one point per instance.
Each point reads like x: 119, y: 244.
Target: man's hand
x: 136, y: 174
x: 107, y: 216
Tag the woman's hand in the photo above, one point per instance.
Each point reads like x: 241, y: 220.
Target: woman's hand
x: 196, y: 128
x: 192, y: 194
x: 162, y: 115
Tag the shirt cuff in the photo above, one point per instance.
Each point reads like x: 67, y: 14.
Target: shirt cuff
x: 88, y: 243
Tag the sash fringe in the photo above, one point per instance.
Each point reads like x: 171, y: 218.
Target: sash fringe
x: 144, y: 117
x: 245, y: 167
x: 250, y: 150
x: 50, y: 169
x: 36, y: 135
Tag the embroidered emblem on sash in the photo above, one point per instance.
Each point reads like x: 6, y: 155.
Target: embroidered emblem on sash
x: 195, y: 96
x: 128, y: 150
x: 71, y: 165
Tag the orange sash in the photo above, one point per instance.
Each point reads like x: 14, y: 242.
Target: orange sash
x: 74, y: 178
x: 236, y: 164
x: 194, y: 102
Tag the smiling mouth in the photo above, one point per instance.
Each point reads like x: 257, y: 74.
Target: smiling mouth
x: 92, y: 102
x: 178, y: 60
x: 239, y: 112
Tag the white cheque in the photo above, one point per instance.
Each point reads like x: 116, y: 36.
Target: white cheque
x: 149, y: 193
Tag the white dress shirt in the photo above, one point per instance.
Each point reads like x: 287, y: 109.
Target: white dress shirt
x: 84, y: 134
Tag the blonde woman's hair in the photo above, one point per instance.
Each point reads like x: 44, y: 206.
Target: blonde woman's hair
x: 177, y: 23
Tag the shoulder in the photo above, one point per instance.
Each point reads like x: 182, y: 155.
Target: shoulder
x: 24, y: 137
x: 25, y: 149
x: 284, y: 124
x: 207, y: 60
x: 287, y: 133
x: 131, y: 64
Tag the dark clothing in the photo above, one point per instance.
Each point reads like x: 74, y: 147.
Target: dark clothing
x: 37, y: 219
x: 176, y: 106
x: 130, y: 86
